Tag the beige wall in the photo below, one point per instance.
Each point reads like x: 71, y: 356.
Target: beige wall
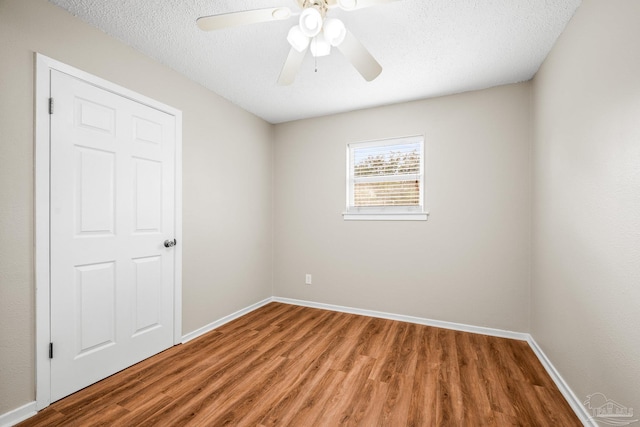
x: 586, y: 256
x: 227, y: 216
x: 469, y: 263
x: 571, y: 279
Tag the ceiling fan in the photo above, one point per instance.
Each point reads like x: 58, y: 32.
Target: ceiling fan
x: 315, y: 32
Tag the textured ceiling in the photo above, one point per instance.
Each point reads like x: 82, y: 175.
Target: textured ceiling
x: 427, y: 48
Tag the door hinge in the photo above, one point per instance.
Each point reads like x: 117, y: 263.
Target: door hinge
x: 50, y: 350
x: 50, y: 105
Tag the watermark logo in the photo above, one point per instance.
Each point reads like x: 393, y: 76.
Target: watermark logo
x: 607, y: 411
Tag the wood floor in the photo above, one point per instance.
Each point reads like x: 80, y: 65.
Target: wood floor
x: 285, y: 365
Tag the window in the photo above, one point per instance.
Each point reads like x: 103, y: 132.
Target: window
x: 385, y: 180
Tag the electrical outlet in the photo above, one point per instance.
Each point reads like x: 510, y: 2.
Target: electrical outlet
x: 307, y: 279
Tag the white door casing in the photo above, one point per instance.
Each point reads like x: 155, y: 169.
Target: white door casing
x: 114, y: 288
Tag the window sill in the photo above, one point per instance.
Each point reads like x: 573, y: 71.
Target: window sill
x: 417, y: 216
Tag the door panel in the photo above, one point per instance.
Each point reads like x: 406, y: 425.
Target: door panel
x: 94, y: 116
x: 95, y: 291
x: 147, y: 131
x: 148, y: 293
x: 148, y: 195
x: 95, y: 191
x: 112, y: 207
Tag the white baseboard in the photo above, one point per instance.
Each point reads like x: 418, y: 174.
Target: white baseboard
x: 410, y: 319
x: 226, y: 319
x: 569, y: 395
x: 22, y: 413
x: 572, y: 399
x: 12, y: 418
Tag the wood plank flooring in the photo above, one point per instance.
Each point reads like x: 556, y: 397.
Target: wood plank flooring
x: 284, y: 365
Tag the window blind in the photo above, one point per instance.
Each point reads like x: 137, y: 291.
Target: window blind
x: 386, y: 174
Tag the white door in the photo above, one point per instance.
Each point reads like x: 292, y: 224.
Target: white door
x: 112, y: 208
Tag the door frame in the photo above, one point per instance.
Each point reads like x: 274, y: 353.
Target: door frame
x: 42, y: 138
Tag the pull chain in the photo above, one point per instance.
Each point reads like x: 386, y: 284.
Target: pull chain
x: 315, y: 58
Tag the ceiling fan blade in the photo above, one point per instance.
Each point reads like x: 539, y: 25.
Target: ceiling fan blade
x: 234, y: 19
x: 291, y: 67
x: 360, y: 57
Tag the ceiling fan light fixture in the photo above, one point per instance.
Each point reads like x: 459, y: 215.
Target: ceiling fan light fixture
x: 347, y: 4
x: 334, y: 31
x: 297, y: 39
x: 320, y: 46
x: 310, y: 22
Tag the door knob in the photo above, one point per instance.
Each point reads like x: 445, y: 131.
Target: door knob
x: 170, y: 243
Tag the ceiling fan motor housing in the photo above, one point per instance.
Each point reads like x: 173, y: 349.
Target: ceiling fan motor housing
x: 320, y: 5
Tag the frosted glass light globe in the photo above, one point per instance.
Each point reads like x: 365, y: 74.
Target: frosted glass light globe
x: 347, y: 4
x: 310, y: 22
x: 320, y: 46
x: 334, y: 31
x: 297, y: 39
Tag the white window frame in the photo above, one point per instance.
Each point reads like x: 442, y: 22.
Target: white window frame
x: 385, y: 213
